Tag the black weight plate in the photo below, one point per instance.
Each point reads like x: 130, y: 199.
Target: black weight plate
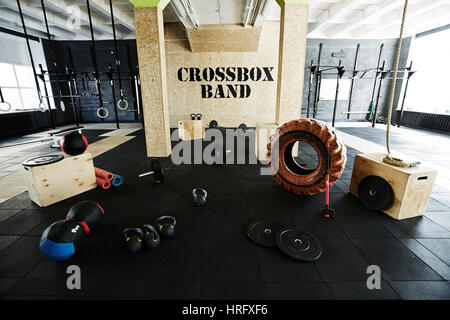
x: 43, y: 160
x: 213, y: 124
x: 375, y: 193
x: 298, y: 244
x: 263, y: 232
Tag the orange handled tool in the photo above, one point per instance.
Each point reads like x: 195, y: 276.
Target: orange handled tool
x: 327, y: 211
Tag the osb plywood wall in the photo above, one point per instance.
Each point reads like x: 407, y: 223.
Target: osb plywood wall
x: 230, y: 106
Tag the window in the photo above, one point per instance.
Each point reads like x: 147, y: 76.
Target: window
x: 428, y: 89
x: 18, y: 87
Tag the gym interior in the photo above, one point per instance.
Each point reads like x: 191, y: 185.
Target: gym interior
x: 224, y: 150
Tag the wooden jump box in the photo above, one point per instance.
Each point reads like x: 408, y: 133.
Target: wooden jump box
x: 191, y: 130
x: 48, y: 184
x: 411, y: 186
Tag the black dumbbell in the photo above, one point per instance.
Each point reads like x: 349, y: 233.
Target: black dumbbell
x: 196, y: 116
x: 157, y: 171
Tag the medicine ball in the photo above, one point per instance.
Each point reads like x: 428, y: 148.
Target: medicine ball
x: 73, y: 143
x: 166, y: 226
x: 58, y: 241
x: 89, y: 214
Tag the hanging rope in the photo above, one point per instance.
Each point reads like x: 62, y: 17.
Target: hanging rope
x: 389, y: 159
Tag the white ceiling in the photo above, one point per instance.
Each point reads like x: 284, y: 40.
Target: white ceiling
x: 327, y: 18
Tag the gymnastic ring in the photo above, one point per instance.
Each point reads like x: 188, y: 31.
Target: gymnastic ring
x: 42, y: 107
x: 62, y: 106
x: 296, y: 178
x: 106, y: 113
x: 119, y: 104
x: 7, y: 109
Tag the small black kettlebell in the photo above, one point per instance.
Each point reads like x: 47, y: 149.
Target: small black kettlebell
x: 133, y: 239
x: 166, y: 226
x: 200, y: 195
x: 151, y: 237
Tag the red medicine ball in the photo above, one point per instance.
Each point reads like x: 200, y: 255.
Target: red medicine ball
x: 73, y: 143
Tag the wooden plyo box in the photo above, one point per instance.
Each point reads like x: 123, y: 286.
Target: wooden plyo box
x: 48, y: 184
x: 411, y: 186
x: 191, y: 130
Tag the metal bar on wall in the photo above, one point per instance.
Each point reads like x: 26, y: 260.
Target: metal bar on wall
x: 317, y: 88
x: 74, y: 81
x: 400, y: 114
x: 352, y: 84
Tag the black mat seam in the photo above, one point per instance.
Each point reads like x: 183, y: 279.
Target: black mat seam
x: 424, y: 261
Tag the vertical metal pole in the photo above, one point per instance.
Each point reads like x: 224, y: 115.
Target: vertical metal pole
x: 74, y: 81
x: 340, y: 73
x: 38, y: 88
x: 349, y: 108
x: 317, y: 89
x: 134, y: 88
x: 400, y: 114
x: 378, y: 95
x: 312, y: 69
x: 74, y: 108
x: 113, y: 90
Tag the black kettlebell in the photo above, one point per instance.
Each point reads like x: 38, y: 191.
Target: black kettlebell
x: 133, y: 239
x: 200, y: 195
x: 166, y: 226
x: 151, y: 237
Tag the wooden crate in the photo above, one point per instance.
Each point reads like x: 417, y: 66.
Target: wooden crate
x: 411, y: 186
x: 191, y: 130
x: 55, y: 182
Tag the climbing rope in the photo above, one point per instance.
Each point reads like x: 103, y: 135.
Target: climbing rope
x: 389, y: 159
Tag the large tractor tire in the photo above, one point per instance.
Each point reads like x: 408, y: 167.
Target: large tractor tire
x: 292, y: 176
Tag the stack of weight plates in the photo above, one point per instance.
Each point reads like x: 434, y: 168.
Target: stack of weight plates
x: 295, y: 243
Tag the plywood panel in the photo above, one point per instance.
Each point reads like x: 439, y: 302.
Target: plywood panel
x: 152, y: 67
x: 293, y: 31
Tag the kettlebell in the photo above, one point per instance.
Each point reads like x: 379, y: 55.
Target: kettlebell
x: 151, y: 237
x: 133, y: 239
x: 200, y: 195
x: 166, y: 229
